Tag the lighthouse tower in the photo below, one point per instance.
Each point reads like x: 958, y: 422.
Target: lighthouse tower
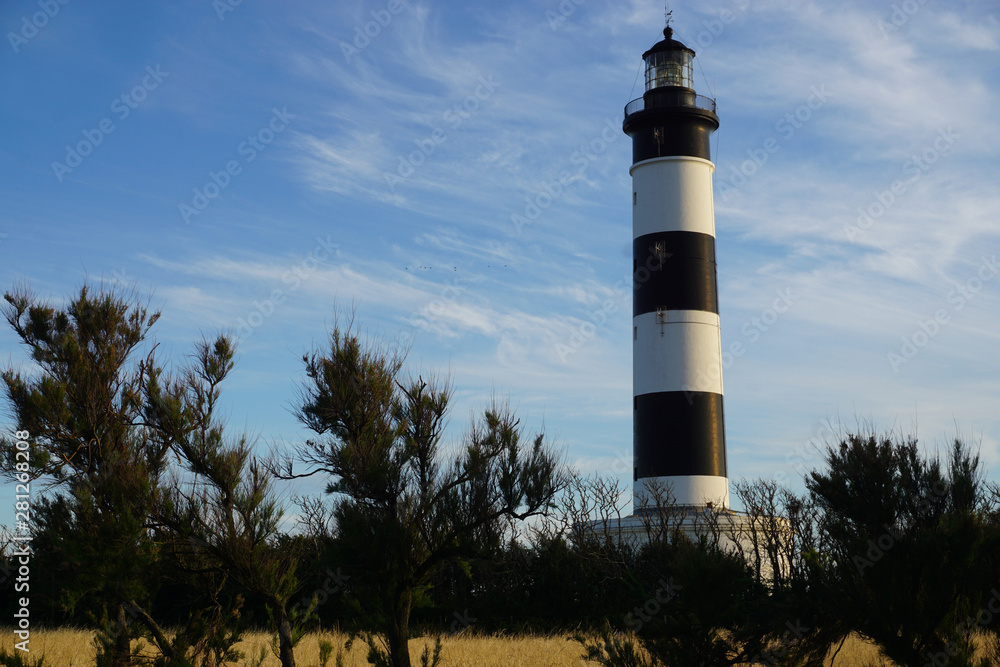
x: 679, y: 443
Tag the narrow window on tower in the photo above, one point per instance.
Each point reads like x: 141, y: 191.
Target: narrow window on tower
x: 635, y: 333
x: 659, y: 251
x: 634, y: 197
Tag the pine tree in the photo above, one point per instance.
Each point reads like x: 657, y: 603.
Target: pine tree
x: 403, y: 507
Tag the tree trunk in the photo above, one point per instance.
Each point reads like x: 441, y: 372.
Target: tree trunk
x: 399, y: 631
x: 285, y: 648
x: 161, y: 640
x: 122, y: 652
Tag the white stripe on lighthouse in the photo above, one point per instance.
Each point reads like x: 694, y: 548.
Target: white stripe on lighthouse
x: 672, y: 194
x: 685, y: 490
x: 677, y: 350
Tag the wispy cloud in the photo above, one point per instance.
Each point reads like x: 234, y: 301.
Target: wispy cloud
x: 469, y: 165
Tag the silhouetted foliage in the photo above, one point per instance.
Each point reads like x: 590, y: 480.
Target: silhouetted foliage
x: 225, y: 524
x: 694, y: 600
x: 905, y: 553
x: 84, y: 412
x: 105, y: 422
x: 150, y: 514
x: 403, y: 508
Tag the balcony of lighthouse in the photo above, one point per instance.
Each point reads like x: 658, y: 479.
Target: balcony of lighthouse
x: 665, y: 98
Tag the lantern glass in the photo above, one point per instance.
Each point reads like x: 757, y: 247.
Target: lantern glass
x: 668, y: 68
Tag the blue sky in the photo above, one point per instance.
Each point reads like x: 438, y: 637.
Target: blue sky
x: 456, y: 173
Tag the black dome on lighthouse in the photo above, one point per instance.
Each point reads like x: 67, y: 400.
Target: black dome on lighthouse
x: 668, y: 44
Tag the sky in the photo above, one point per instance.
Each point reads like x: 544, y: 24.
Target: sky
x: 454, y: 174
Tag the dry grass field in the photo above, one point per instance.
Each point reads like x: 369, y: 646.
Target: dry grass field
x: 73, y: 648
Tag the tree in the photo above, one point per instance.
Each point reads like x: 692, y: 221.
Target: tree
x: 776, y: 529
x: 695, y: 600
x: 904, y: 551
x: 105, y: 423
x: 403, y: 507
x: 227, y: 523
x: 708, y: 620
x: 84, y: 413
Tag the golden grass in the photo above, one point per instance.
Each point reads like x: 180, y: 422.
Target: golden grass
x: 69, y: 647
x: 65, y: 647
x: 466, y: 650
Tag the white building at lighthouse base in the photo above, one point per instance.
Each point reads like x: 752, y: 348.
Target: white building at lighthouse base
x: 736, y: 532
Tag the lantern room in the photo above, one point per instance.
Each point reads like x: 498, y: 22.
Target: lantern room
x: 668, y: 63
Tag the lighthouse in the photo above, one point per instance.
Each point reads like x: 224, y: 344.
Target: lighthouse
x: 679, y: 442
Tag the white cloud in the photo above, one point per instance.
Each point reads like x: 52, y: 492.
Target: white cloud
x: 497, y: 303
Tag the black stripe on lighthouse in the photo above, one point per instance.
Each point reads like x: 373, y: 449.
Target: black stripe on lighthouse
x: 679, y: 433
x: 674, y: 271
x: 658, y: 132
